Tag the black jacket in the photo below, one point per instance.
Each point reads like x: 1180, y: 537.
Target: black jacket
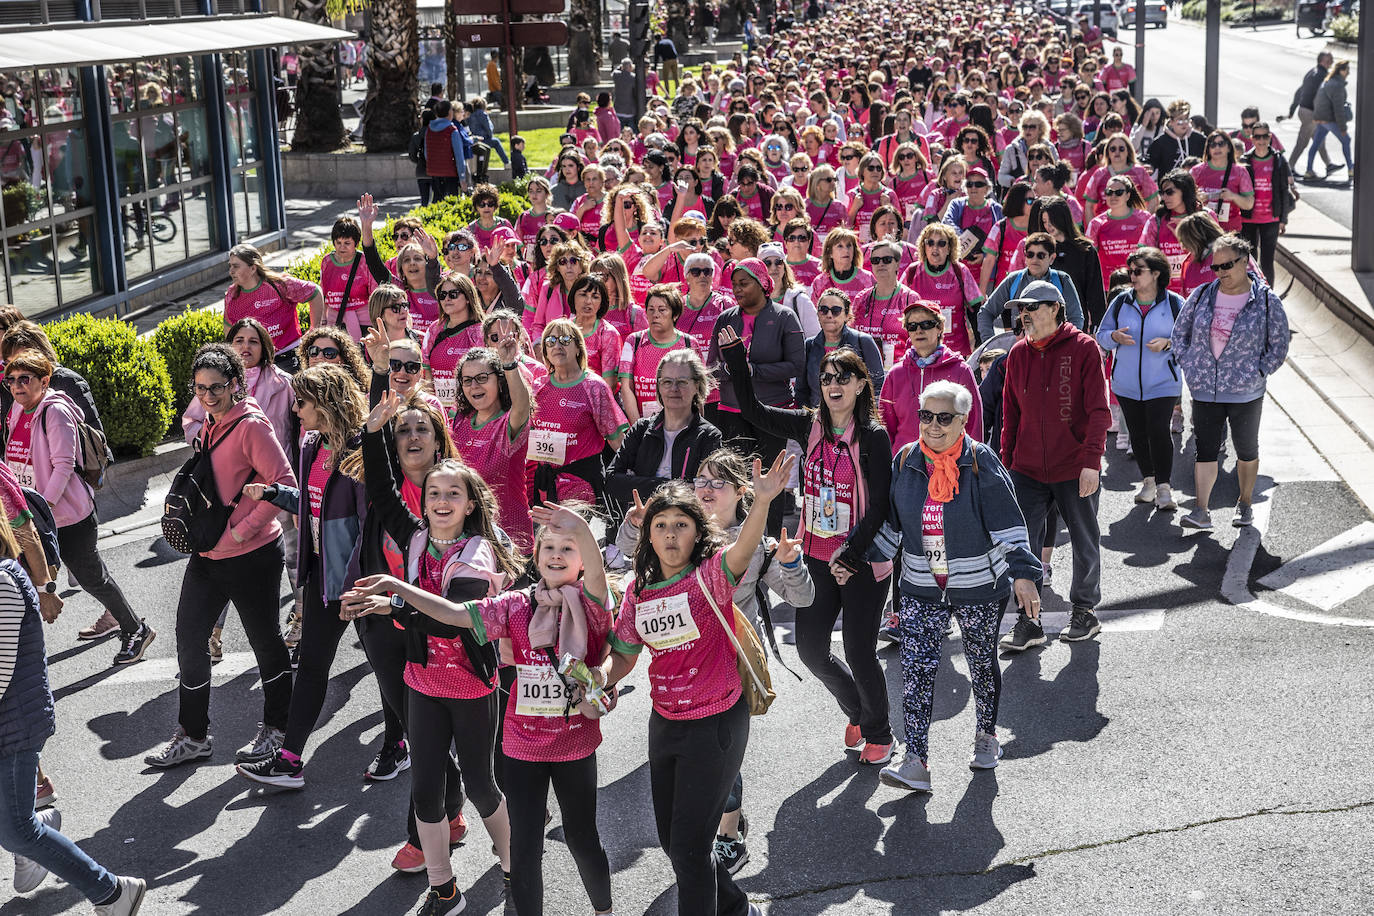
x: 1284, y: 201
x: 1078, y: 259
x: 1167, y: 151
x: 808, y: 390
x: 1306, y: 96
x: 636, y: 464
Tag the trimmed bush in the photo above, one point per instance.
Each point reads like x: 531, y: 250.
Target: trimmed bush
x: 127, y: 375
x: 178, y: 338
x: 1346, y: 29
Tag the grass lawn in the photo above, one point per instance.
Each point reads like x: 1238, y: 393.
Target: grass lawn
x: 541, y: 146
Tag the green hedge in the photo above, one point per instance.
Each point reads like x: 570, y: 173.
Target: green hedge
x: 127, y: 375
x: 440, y: 218
x: 178, y: 338
x: 1346, y: 29
x: 1238, y: 11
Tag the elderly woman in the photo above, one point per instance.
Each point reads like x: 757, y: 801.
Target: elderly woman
x: 964, y: 551
x: 1137, y: 328
x: 1229, y: 336
x: 671, y: 442
x: 834, y: 313
x: 704, y: 303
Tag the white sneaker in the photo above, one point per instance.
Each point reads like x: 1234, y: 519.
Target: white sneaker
x: 910, y: 774
x: 986, y: 752
x: 131, y: 891
x: 1164, y: 498
x: 28, y: 874
x: 1147, y: 490
x: 1123, y: 440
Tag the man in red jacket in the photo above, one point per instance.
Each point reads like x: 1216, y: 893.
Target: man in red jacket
x: 1054, y: 430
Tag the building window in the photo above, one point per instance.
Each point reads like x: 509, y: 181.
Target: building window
x: 161, y: 149
x: 245, y: 144
x: 48, y: 215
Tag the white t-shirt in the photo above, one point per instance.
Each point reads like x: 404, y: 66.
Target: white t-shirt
x: 665, y: 464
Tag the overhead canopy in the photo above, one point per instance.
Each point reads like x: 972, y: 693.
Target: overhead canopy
x: 108, y: 42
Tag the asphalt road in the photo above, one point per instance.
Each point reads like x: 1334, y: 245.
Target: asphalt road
x: 1261, y: 67
x: 1201, y: 756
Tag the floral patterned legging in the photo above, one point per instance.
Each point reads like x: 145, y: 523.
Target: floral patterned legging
x: 923, y: 632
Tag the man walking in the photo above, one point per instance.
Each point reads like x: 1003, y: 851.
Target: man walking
x: 624, y: 81
x: 1304, y: 101
x: 1054, y: 431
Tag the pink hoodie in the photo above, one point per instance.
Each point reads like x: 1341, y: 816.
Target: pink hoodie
x: 54, y: 458
x: 272, y: 391
x: 251, y: 445
x: 901, y: 396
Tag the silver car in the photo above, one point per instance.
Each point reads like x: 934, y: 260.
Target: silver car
x: 1156, y: 13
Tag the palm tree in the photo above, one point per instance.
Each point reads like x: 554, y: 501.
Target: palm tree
x: 391, y: 111
x: 584, y: 39
x: 319, y: 123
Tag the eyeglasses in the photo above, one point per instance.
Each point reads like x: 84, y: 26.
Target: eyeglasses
x: 479, y: 380
x: 1037, y: 255
x: 568, y: 261
x: 770, y: 263
x: 1114, y: 192
x: 843, y: 377
x: 715, y: 483
x: 675, y: 383
x: 23, y: 381
x: 558, y: 340
x: 398, y: 307
x: 1225, y: 265
x: 797, y: 238
x: 700, y: 271
x: 214, y: 391
x: 944, y: 418
x: 929, y: 324
x: 937, y: 243
x: 327, y: 352
x: 884, y: 259
x: 410, y: 366
x: 832, y: 310
x: 1137, y: 271
x: 443, y: 294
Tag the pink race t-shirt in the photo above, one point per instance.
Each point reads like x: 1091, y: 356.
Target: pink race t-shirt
x: 424, y: 307
x: 276, y: 310
x: 497, y: 453
x: 320, y: 469
x: 484, y: 236
x: 692, y: 671
x: 1224, y: 315
x: 19, y: 450
x: 603, y: 349
x: 884, y: 320
x: 448, y: 671
x: 443, y: 349
x: 573, y: 421
x: 334, y: 281
x: 1263, y: 211
x: 1116, y: 239
x: 954, y: 292
x: 857, y: 282
x: 1209, y: 178
x: 639, y: 359
x: 828, y: 500
x: 806, y: 271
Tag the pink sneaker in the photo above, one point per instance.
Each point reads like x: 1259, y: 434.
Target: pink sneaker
x: 46, y: 795
x: 457, y: 829
x: 853, y: 738
x: 409, y: 859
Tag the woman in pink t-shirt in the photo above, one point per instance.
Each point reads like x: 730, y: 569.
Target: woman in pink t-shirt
x: 451, y: 553
x: 699, y: 728
x: 271, y: 298
x: 568, y: 261
x: 449, y: 337
x: 1116, y: 232
x: 1224, y: 181
x: 590, y: 303
x: 841, y: 266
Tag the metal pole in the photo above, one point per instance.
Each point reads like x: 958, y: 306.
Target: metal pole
x: 508, y: 57
x: 1140, y: 51
x: 1362, y: 239
x: 639, y: 29
x: 1209, y: 105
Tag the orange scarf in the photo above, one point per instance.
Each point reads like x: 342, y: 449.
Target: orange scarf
x: 944, y: 472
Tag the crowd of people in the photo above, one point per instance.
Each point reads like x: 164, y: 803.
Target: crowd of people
x: 847, y: 322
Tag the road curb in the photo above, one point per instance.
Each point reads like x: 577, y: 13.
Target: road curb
x: 1326, y: 293
x: 130, y: 498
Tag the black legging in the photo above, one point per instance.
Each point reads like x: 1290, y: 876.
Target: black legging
x: 77, y: 542
x: 527, y: 795
x: 438, y: 723
x: 1151, y: 438
x: 385, y: 647
x: 1264, y: 239
x: 506, y: 673
x: 321, y: 630
x: 692, y: 764
x: 861, y: 687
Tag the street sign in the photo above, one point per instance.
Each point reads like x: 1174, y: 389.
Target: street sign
x: 522, y: 34
x: 517, y: 7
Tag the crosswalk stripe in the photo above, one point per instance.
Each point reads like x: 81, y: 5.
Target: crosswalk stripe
x: 1330, y: 574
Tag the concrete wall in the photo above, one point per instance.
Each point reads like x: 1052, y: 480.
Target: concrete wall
x: 347, y: 175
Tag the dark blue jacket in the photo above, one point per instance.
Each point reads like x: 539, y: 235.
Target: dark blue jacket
x: 808, y: 383
x: 26, y: 704
x: 342, y: 509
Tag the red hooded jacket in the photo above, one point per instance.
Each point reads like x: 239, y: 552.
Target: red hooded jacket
x: 1054, y: 407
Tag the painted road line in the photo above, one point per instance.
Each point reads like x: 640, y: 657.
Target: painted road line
x: 165, y: 669
x: 1331, y: 574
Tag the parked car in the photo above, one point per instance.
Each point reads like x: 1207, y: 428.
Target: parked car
x: 1156, y: 13
x: 1108, y: 13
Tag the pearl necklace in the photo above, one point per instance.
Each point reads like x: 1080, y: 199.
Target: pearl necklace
x: 443, y: 542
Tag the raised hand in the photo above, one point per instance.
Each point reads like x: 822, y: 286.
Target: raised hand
x: 377, y: 342
x: 557, y: 519
x: 367, y: 210
x: 727, y: 337
x: 770, y: 484
x: 635, y: 516
x: 788, y: 548
x: 384, y: 412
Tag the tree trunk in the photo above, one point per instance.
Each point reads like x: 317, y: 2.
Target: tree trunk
x: 391, y: 112
x: 678, y: 14
x: 584, y: 22
x: 453, y: 55
x: 319, y: 123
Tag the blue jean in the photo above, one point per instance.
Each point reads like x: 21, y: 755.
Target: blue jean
x: 1319, y: 137
x: 24, y: 835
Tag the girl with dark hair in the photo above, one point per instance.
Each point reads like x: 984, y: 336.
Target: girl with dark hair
x: 590, y: 303
x: 1178, y: 198
x: 1074, y: 254
x: 1225, y: 181
x: 684, y: 582
x: 1049, y: 179
x: 1002, y: 243
x: 846, y: 469
x: 245, y: 564
x: 1118, y: 159
x: 457, y: 330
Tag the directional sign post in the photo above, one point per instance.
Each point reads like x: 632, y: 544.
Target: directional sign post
x: 508, y: 36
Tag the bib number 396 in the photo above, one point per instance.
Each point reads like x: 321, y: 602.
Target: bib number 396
x: 549, y: 446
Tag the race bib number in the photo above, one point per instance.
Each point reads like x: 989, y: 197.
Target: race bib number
x: 889, y: 354
x: 649, y: 409
x: 968, y: 240
x: 446, y: 388
x: 539, y: 691
x: 947, y: 313
x: 549, y: 446
x: 910, y: 209
x: 1223, y: 211
x: 666, y: 622
x: 1176, y: 263
x: 23, y: 472
x: 828, y: 516
x: 933, y: 539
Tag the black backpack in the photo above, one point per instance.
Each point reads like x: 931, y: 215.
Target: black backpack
x: 193, y: 518
x: 45, y: 525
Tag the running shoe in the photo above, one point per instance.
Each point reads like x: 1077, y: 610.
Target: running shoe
x: 292, y: 636
x: 890, y: 631
x: 265, y: 744
x: 294, y: 655
x: 133, y: 645
x: 1083, y: 624
x: 1309, y: 175
x: 105, y: 626
x: 1023, y: 635
x: 910, y: 774
x: 390, y: 760
x: 458, y: 828
x: 875, y: 754
x: 409, y: 859
x: 1123, y: 440
x: 1244, y: 517
x: 731, y: 852
x: 436, y: 905
x: 1333, y: 167
x: 131, y: 891
x: 507, y: 896
x: 743, y: 826
x: 28, y: 874
x: 45, y: 796
x: 1199, y: 518
x: 216, y: 646
x: 1147, y: 491
x: 986, y: 752
x: 181, y: 749
x: 853, y: 738
x: 274, y: 771
x: 1164, y: 498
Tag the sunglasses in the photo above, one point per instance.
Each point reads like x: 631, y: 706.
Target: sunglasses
x: 929, y: 324
x: 843, y: 377
x: 568, y: 261
x: 968, y: 139
x: 403, y: 236
x: 832, y: 310
x: 327, y: 352
x: 1225, y: 265
x: 1038, y: 157
x: 770, y: 263
x: 1259, y: 136
x: 884, y: 259
x: 937, y: 243
x: 214, y: 391
x: 1038, y: 255
x: 398, y: 307
x: 849, y: 158
x: 785, y: 206
x: 1114, y: 192
x: 715, y: 483
x: 944, y: 418
x: 1033, y: 307
x: 23, y: 381
x: 903, y: 157
x: 484, y: 204
x: 563, y: 340
x: 700, y: 271
x: 443, y: 294
x: 1219, y: 144
x: 1168, y: 190
x: 1137, y: 271
x: 410, y: 366
x: 798, y: 169
x: 975, y: 184
x: 480, y: 379
x: 300, y: 402
x: 827, y: 181
x: 548, y: 242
